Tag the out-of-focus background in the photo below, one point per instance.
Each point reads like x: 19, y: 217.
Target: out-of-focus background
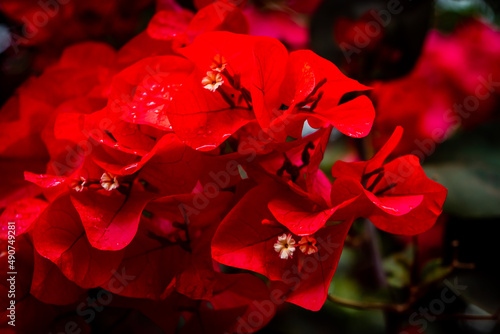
x: 434, y: 67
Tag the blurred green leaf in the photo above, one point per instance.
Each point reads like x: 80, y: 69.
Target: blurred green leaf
x: 469, y: 166
x: 434, y: 271
x: 343, y: 284
x: 473, y: 190
x: 397, y: 268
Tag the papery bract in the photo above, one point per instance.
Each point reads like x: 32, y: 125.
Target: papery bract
x: 60, y: 237
x: 47, y: 278
x: 110, y: 219
x: 22, y: 213
x: 246, y: 237
x: 397, y: 196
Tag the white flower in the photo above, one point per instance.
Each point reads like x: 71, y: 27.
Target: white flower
x: 285, y: 246
x: 212, y: 81
x: 78, y: 184
x: 109, y: 181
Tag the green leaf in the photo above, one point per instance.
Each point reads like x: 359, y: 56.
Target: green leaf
x: 434, y: 271
x: 469, y: 166
x: 397, y: 268
x: 473, y: 190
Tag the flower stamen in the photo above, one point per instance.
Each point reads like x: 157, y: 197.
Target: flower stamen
x: 285, y: 246
x: 212, y: 81
x: 307, y: 245
x: 109, y: 181
x: 219, y: 63
x: 78, y: 184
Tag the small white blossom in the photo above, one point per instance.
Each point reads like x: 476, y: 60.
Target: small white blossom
x: 78, y: 184
x: 285, y: 246
x: 109, y: 181
x: 212, y: 81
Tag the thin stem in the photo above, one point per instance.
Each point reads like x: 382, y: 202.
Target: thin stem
x: 247, y: 97
x: 399, y: 308
x: 414, y: 269
x: 404, y: 307
x: 226, y: 97
x: 374, y: 245
x: 463, y: 316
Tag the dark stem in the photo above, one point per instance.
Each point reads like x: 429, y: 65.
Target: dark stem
x: 374, y: 245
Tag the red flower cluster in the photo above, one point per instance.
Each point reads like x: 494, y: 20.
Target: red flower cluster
x: 166, y: 163
x: 47, y: 26
x: 459, y: 76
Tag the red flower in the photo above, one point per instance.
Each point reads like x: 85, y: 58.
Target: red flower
x: 60, y: 237
x: 173, y: 235
x: 250, y: 238
x: 304, y: 205
x: 280, y: 24
x: 397, y: 196
x: 311, y: 88
x: 23, y: 212
x: 236, y: 299
x: 47, y: 278
x: 452, y: 70
x: 161, y: 164
x: 51, y: 26
x: 204, y: 114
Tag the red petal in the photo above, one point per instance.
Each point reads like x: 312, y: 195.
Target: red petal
x: 270, y: 58
x: 110, y: 219
x: 202, y: 119
x: 244, y: 241
x: 23, y: 213
x: 247, y: 293
x: 199, y: 4
x: 353, y: 118
x: 346, y: 189
x: 13, y: 186
x: 142, y: 93
x: 300, y: 78
x: 148, y: 267
x: 395, y: 205
x: 424, y: 215
x: 44, y: 180
x: 236, y: 49
x: 169, y: 24
x: 385, y: 151
x: 300, y: 215
x: 59, y: 236
x: 175, y: 168
x: 142, y: 46
x: 297, y: 214
x: 88, y: 54
x: 311, y: 291
x: 50, y: 286
x: 305, y: 70
x: 218, y: 16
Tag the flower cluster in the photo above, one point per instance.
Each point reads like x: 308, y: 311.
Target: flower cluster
x: 453, y: 99
x: 154, y: 169
x: 49, y: 25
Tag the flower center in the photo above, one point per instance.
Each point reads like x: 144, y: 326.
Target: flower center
x: 380, y: 172
x: 78, y: 184
x: 212, y: 81
x: 109, y: 181
x: 219, y: 63
x: 285, y: 246
x: 293, y: 170
x: 307, y: 245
